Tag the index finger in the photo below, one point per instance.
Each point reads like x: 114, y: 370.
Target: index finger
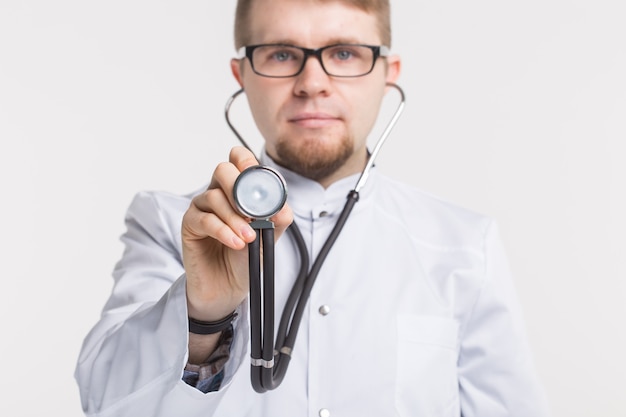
x: 242, y: 158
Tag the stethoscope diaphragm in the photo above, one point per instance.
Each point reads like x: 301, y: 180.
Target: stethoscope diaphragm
x: 260, y: 192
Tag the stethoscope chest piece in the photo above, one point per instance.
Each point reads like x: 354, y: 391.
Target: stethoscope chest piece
x: 260, y: 192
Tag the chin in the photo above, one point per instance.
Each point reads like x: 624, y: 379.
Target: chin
x: 314, y: 160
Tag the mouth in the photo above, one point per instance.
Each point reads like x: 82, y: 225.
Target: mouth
x: 314, y: 120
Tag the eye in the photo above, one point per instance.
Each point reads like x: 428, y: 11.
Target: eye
x: 282, y: 55
x: 346, y: 53
x: 343, y: 54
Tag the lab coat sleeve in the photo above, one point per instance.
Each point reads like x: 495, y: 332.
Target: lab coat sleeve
x: 131, y: 362
x: 496, y: 371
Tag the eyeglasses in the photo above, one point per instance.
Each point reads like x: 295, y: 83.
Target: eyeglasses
x: 341, y: 60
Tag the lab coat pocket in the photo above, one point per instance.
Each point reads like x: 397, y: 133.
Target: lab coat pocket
x: 426, y: 383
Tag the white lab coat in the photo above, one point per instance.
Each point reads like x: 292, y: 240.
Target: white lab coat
x: 423, y: 319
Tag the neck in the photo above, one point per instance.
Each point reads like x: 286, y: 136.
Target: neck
x: 353, y: 165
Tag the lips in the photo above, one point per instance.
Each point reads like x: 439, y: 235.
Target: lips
x: 314, y: 119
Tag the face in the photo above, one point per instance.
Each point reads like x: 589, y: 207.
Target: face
x: 315, y: 124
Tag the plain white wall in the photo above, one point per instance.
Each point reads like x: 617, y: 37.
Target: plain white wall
x: 514, y: 109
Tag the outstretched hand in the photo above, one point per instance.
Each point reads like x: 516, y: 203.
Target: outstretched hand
x: 214, y: 236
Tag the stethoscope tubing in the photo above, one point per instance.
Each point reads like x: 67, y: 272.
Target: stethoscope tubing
x: 262, y: 331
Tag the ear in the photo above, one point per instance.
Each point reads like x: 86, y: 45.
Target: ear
x: 236, y: 68
x: 393, y: 68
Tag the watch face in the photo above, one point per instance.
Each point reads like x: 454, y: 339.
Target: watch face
x: 260, y: 192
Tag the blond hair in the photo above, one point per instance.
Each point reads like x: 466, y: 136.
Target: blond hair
x: 380, y: 8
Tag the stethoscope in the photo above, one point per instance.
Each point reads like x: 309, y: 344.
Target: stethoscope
x: 259, y: 193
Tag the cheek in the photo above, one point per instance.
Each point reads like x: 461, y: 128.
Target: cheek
x: 263, y: 107
x: 366, y: 109
x: 266, y: 96
x: 259, y: 107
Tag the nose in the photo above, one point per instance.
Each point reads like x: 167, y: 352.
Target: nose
x: 313, y: 80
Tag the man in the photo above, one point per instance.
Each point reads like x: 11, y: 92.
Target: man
x: 413, y: 313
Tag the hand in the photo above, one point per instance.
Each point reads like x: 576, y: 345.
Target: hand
x: 214, y: 238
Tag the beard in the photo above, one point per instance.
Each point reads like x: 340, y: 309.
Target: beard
x: 315, y: 160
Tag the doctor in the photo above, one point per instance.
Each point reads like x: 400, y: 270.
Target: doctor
x: 414, y: 312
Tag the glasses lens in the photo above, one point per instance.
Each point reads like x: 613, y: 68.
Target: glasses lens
x: 277, y: 60
x: 348, y: 60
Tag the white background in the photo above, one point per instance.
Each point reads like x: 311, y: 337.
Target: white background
x: 514, y: 109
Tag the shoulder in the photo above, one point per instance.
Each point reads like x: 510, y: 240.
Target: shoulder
x: 429, y: 218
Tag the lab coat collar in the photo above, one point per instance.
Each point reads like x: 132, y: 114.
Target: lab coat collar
x: 308, y: 198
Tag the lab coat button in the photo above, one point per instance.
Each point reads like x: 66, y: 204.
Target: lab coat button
x: 324, y: 310
x: 323, y: 213
x: 324, y: 412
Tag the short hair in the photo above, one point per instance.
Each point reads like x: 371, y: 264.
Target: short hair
x: 380, y: 8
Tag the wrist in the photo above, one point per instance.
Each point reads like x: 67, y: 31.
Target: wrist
x: 211, y: 327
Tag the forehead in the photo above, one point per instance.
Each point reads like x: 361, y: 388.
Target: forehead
x: 311, y: 23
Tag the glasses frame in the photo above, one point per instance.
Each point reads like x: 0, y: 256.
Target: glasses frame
x: 377, y: 52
